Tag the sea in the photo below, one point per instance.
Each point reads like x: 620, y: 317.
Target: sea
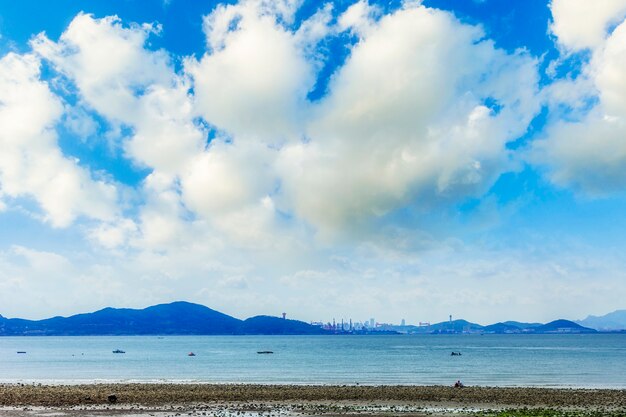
x: 563, y: 360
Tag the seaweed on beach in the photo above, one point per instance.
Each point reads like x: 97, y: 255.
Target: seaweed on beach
x: 549, y: 412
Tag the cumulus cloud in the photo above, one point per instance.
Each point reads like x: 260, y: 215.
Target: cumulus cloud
x: 420, y: 112
x: 117, y: 233
x: 254, y: 81
x: 359, y: 17
x: 116, y: 76
x: 587, y: 150
x: 129, y: 85
x: 417, y: 118
x: 227, y: 178
x: 581, y: 24
x: 107, y: 62
x: 31, y: 162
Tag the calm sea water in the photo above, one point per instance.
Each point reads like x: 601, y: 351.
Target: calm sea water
x: 498, y: 360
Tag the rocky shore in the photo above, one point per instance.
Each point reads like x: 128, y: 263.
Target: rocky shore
x: 292, y: 400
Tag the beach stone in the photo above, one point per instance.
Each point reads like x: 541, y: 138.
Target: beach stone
x: 112, y: 398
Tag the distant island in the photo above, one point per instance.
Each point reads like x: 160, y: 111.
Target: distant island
x: 184, y: 318
x: 614, y: 321
x: 177, y: 318
x: 508, y: 327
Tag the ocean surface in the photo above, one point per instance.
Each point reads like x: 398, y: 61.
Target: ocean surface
x: 488, y: 360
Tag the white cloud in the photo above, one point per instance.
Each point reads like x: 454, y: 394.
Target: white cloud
x: 226, y: 178
x: 422, y: 132
x: 313, y: 30
x: 31, y: 163
x: 161, y: 217
x: 128, y: 84
x: 166, y: 137
x: 407, y: 113
x: 80, y: 123
x: 589, y: 155
x: 469, y: 281
x: 48, y: 279
x: 417, y: 118
x: 405, y: 121
x: 114, y: 234
x: 231, y: 188
x: 472, y: 282
x: 253, y: 83
x: 107, y: 62
x: 359, y: 17
x: 581, y: 24
x: 587, y: 150
x: 120, y: 79
x: 225, y: 189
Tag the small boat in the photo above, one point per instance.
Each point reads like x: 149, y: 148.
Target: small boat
x: 264, y: 352
x: 118, y: 351
x: 191, y: 354
x: 21, y: 351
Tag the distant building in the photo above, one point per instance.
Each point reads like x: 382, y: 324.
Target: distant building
x: 403, y: 323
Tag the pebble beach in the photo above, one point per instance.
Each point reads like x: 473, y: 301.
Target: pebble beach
x: 293, y: 400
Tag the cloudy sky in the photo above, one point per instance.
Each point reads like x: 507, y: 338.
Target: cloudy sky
x: 392, y: 159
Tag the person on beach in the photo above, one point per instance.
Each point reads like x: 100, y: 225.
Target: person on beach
x: 458, y: 384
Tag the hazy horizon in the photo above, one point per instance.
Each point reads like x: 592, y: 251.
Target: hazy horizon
x: 402, y: 159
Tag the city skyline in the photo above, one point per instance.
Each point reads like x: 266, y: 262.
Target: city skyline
x: 392, y: 159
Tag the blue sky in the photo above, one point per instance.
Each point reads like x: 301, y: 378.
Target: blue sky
x: 340, y: 159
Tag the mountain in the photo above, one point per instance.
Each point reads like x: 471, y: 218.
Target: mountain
x: 511, y: 327
x: 556, y: 326
x: 178, y: 318
x: 522, y: 325
x: 183, y: 318
x: 275, y: 325
x: 507, y: 327
x: 502, y: 328
x: 611, y: 321
x: 562, y: 326
x: 455, y: 326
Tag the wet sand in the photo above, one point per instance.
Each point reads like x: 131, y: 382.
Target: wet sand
x: 290, y: 400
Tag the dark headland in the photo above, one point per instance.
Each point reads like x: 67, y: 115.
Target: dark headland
x: 177, y: 318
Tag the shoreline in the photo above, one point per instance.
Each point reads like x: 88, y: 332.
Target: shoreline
x: 157, y: 394
x: 200, y: 382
